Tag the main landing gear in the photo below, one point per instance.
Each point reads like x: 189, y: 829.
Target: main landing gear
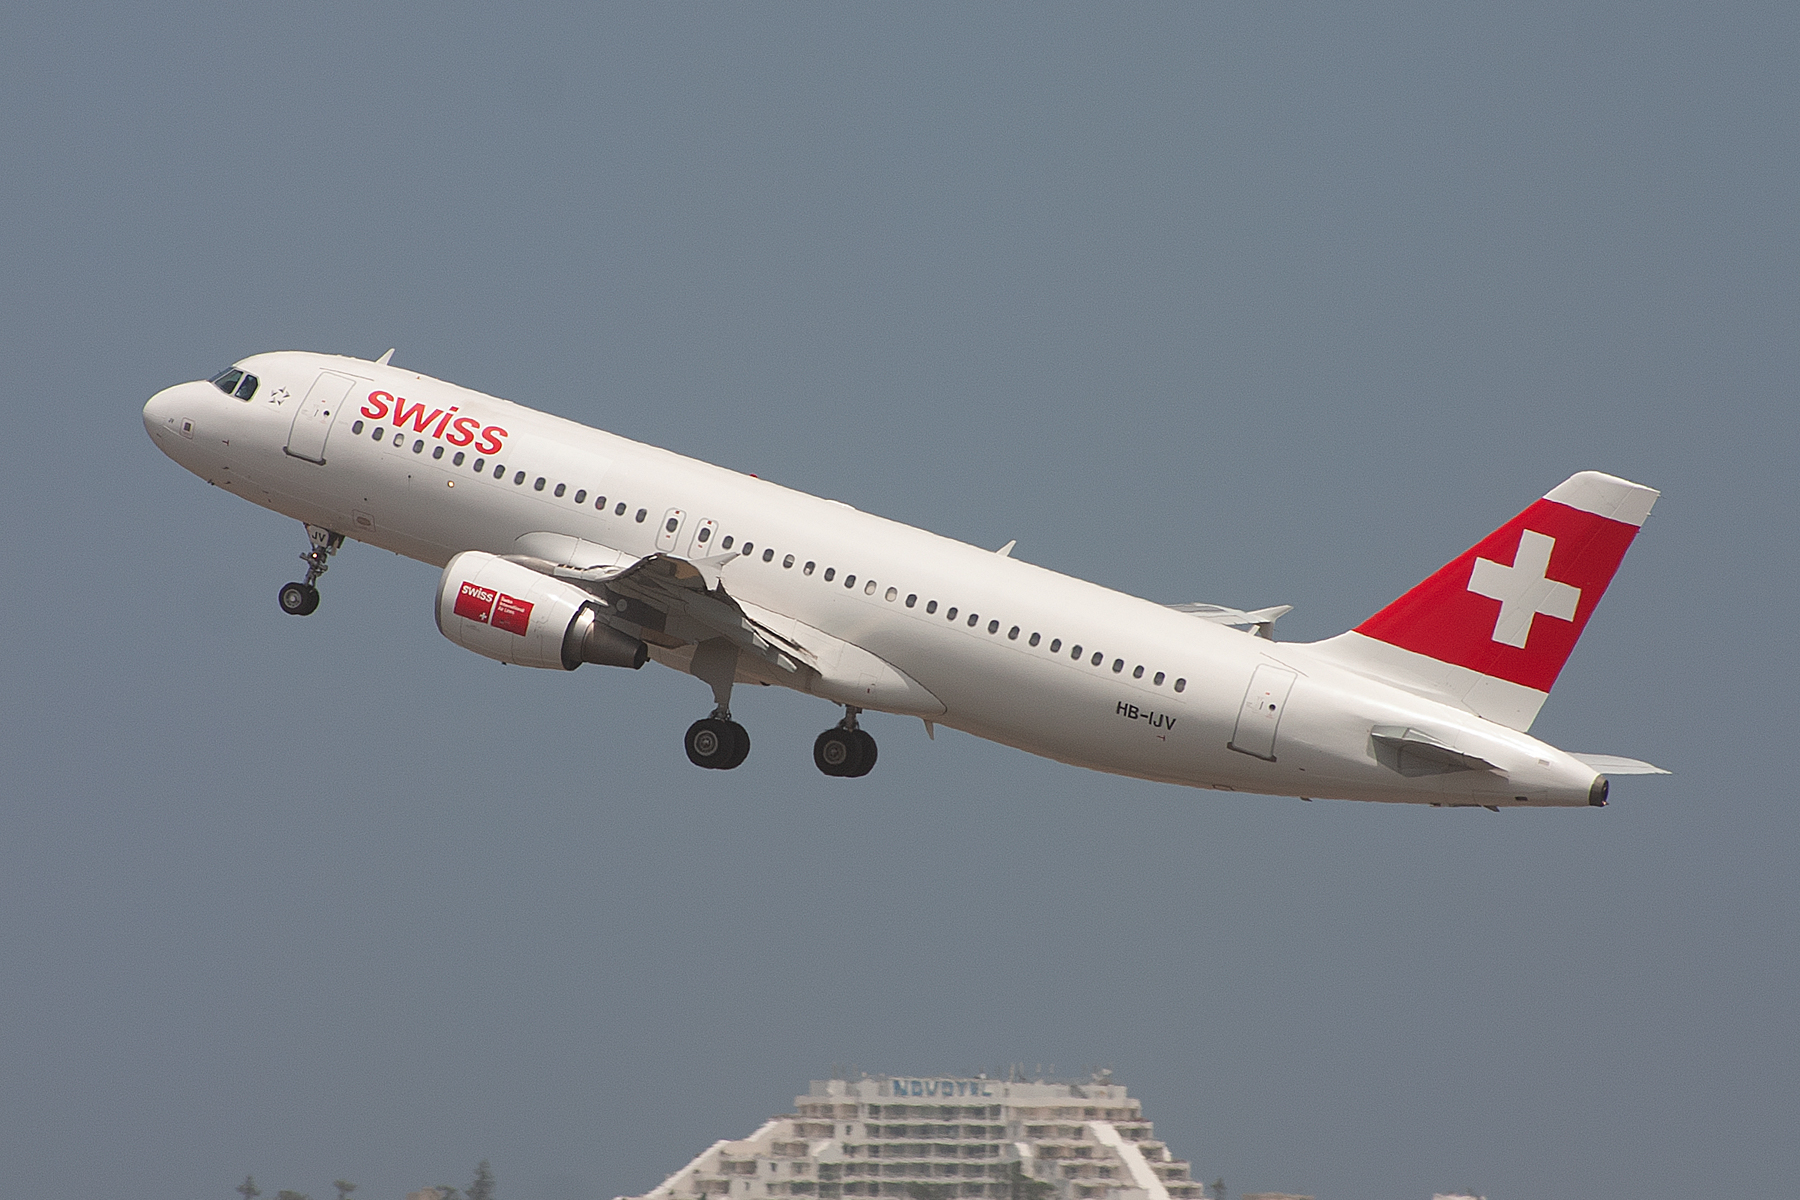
x: 300, y: 599
x: 717, y: 743
x: 845, y: 750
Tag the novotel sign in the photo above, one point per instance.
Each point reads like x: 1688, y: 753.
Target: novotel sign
x: 942, y: 1087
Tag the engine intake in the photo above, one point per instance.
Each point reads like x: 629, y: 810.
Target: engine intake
x: 511, y: 613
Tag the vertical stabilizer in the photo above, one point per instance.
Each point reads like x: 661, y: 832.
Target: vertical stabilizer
x: 1493, y: 627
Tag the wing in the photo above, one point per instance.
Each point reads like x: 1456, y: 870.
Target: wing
x: 674, y: 601
x: 676, y: 604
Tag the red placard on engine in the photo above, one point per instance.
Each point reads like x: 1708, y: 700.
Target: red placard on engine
x: 512, y: 614
x: 476, y: 603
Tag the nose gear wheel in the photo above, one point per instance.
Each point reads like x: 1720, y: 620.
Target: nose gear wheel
x: 301, y: 599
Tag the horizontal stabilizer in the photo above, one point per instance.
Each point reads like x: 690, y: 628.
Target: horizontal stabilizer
x: 1415, y: 752
x: 1613, y: 764
x: 1219, y: 614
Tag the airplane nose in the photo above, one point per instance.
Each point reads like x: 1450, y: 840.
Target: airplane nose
x: 171, y: 412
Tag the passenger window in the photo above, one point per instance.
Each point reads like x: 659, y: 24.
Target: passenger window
x: 356, y: 427
x: 437, y: 452
x: 1075, y: 652
x: 456, y: 460
x: 1137, y: 672
x: 931, y: 606
x: 379, y: 433
x: 704, y: 534
x: 869, y: 588
x: 973, y: 617
x: 1158, y: 680
x: 849, y: 581
x: 912, y: 598
x: 1055, y: 645
x: 1034, y: 638
x: 950, y: 613
x: 726, y: 544
x: 399, y: 439
x: 768, y: 556
x: 619, y: 510
x: 478, y: 465
x: 640, y: 515
x: 499, y: 470
x: 672, y: 524
x: 419, y: 446
x: 1012, y: 635
x: 994, y: 627
x: 1181, y: 685
x: 830, y: 574
x: 1118, y: 665
x: 519, y: 478
x: 807, y: 569
x: 748, y: 547
x: 560, y: 489
x: 246, y: 388
x: 580, y: 495
x: 539, y: 485
x: 787, y: 564
x: 892, y: 595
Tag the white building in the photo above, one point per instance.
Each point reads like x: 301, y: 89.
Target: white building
x: 931, y: 1139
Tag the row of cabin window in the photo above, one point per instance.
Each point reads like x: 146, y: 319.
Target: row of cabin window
x: 768, y: 555
x: 480, y: 465
x: 974, y: 619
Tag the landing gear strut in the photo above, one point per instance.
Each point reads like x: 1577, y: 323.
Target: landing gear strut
x: 717, y: 743
x: 300, y: 599
x: 845, y: 750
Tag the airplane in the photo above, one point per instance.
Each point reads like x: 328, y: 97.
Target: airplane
x: 562, y: 545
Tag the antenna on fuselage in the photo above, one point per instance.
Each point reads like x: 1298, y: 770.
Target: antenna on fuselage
x: 384, y: 359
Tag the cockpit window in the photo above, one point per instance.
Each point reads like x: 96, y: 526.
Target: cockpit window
x: 234, y: 382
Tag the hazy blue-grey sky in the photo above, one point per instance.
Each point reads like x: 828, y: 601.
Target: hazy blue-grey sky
x: 1257, y: 305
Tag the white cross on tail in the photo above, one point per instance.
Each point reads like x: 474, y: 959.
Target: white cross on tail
x: 1523, y: 589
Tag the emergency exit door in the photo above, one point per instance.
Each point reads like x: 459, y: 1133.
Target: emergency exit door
x: 1260, y: 715
x: 306, y: 439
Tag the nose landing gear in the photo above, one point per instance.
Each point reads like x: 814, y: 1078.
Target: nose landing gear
x: 846, y: 750
x: 300, y: 599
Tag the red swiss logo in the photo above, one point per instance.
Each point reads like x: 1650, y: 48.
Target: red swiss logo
x: 493, y: 608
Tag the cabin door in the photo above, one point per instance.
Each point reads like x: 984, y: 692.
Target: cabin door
x: 1260, y: 715
x: 313, y: 420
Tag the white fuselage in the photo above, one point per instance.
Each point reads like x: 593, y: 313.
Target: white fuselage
x: 1153, y: 693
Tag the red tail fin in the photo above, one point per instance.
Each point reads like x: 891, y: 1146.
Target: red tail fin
x: 1512, y: 606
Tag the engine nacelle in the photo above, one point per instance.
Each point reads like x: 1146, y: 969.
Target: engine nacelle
x: 512, y: 613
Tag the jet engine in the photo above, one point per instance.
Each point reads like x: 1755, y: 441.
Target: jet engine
x: 512, y: 613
